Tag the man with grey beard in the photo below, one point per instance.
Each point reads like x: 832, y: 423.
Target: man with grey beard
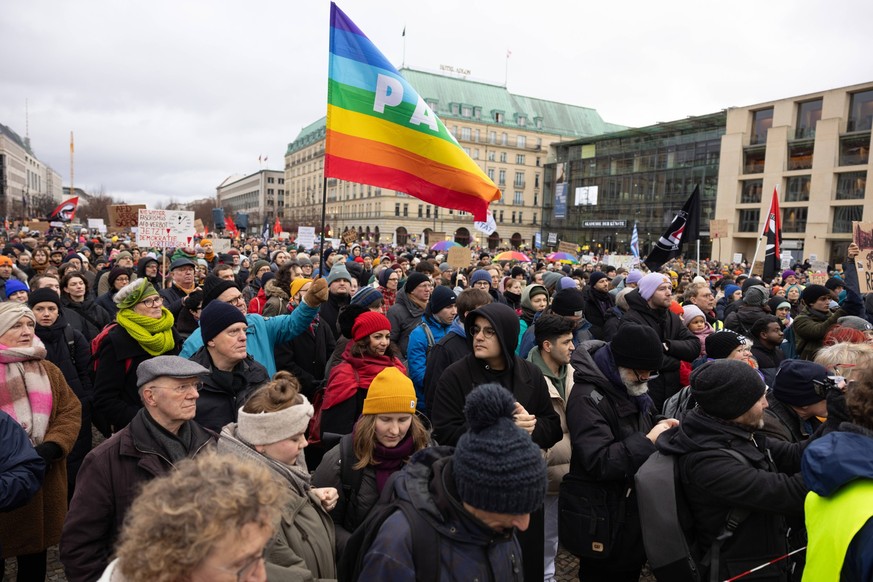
x: 727, y: 467
x: 613, y: 427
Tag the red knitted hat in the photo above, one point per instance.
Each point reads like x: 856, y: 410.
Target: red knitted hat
x: 367, y: 323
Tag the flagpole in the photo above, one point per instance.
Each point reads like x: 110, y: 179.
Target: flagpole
x: 755, y: 256
x: 403, y: 64
x: 698, y: 257
x: 323, y: 215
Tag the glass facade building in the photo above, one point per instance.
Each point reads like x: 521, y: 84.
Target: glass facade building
x: 605, y: 184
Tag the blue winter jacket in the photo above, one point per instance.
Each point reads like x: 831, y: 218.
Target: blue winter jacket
x: 417, y: 351
x: 263, y: 334
x: 21, y: 469
x: 828, y: 464
x: 468, y: 550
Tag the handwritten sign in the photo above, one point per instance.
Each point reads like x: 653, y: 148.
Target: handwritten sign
x: 458, y: 257
x: 350, y: 236
x: 164, y: 228
x: 305, y: 236
x: 862, y: 235
x: 718, y: 228
x: 123, y: 216
x: 567, y: 247
x: 221, y: 245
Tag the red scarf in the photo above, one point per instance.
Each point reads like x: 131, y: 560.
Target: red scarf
x: 389, y: 298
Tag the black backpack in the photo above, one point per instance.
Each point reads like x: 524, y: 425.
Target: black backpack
x: 425, y: 539
x: 666, y: 521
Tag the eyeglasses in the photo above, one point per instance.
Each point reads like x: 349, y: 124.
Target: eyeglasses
x: 482, y: 285
x: 249, y: 566
x: 238, y: 300
x: 183, y: 388
x: 153, y: 301
x: 488, y: 332
x: 649, y: 376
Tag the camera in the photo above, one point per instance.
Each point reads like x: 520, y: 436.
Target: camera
x: 829, y: 383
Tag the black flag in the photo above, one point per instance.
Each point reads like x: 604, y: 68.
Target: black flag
x: 773, y: 232
x: 685, y: 227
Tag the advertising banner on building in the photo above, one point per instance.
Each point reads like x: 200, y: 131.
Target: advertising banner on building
x: 586, y: 196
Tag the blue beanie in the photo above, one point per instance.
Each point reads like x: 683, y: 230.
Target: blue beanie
x: 480, y: 275
x: 730, y: 290
x: 496, y: 465
x: 217, y: 317
x: 14, y: 286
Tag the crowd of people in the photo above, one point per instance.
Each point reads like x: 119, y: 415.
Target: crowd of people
x: 377, y: 413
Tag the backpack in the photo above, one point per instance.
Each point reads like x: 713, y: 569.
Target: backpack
x: 677, y: 405
x: 70, y: 338
x: 97, y: 342
x: 429, y: 334
x: 666, y: 521
x: 425, y: 539
x: 350, y: 478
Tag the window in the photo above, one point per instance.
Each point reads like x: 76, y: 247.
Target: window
x: 465, y: 133
x: 492, y: 136
x: 466, y: 111
x: 519, y: 179
x: 502, y: 157
x: 535, y: 218
x: 436, y: 212
x: 396, y: 209
x: 798, y: 189
x: 794, y: 219
x: 861, y: 111
x: 520, y: 141
x: 503, y: 138
x: 808, y: 114
x: 502, y: 177
x: 269, y: 180
x: 501, y: 216
x: 406, y: 210
x: 519, y: 216
x: 536, y: 199
x: 466, y: 150
x: 454, y: 108
x: 476, y: 135
x: 748, y: 221
x: 491, y: 156
x: 800, y: 156
x: 513, y: 218
x: 519, y: 197
x: 851, y: 185
x: 854, y: 150
x: 538, y: 121
x: 476, y: 154
x: 498, y: 117
x: 537, y: 179
x: 761, y: 121
x: 491, y: 174
x: 845, y: 215
x: 427, y: 211
x: 754, y: 161
x: 538, y: 161
x: 519, y: 159
x: 752, y: 190
x: 522, y: 121
x: 420, y: 211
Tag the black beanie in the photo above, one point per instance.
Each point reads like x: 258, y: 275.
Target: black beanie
x: 794, y: 382
x: 441, y: 298
x: 567, y: 302
x: 751, y: 282
x: 595, y: 277
x: 726, y: 389
x: 812, y: 293
x: 44, y: 295
x: 720, y: 344
x: 414, y: 280
x: 516, y: 271
x: 115, y: 273
x: 637, y: 347
x: 217, y: 317
x: 496, y: 466
x: 213, y: 287
x: 834, y: 282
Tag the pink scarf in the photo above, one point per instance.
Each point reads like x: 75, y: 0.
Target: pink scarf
x: 25, y: 388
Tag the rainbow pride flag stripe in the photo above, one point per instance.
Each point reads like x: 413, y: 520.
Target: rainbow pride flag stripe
x: 381, y: 132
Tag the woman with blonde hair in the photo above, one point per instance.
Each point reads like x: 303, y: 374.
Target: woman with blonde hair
x: 214, y: 518
x: 385, y: 436
x: 270, y: 430
x: 35, y: 394
x: 845, y: 361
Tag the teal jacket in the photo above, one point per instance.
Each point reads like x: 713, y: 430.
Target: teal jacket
x: 264, y: 334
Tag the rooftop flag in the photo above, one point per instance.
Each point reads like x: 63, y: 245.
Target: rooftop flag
x: 381, y: 132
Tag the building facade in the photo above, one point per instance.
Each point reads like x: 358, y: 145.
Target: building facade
x: 260, y: 195
x: 638, y: 176
x: 815, y: 149
x: 508, y: 135
x: 25, y: 181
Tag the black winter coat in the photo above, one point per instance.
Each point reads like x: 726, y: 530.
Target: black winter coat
x: 682, y: 345
x: 106, y: 303
x: 782, y: 423
x: 715, y: 482
x: 218, y: 404
x: 306, y: 357
x: 116, y: 396
x: 73, y: 361
x: 742, y: 320
x: 87, y: 317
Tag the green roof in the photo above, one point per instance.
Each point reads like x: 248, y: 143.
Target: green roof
x: 486, y: 99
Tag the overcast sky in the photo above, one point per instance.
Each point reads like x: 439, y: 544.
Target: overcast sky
x: 167, y: 98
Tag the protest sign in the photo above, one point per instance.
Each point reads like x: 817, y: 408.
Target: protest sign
x: 862, y: 235
x: 123, y: 216
x: 306, y: 236
x: 718, y: 228
x: 199, y: 227
x: 458, y: 257
x: 567, y: 247
x: 164, y: 228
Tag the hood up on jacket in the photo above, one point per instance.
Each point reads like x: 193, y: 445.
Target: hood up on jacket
x: 838, y: 458
x: 504, y: 321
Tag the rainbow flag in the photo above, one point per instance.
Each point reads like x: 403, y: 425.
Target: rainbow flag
x: 381, y: 132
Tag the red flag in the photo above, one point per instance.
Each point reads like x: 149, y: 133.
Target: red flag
x: 277, y: 228
x: 230, y: 226
x: 773, y: 232
x: 66, y: 211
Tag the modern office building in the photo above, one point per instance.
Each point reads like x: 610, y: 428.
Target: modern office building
x: 25, y: 181
x: 815, y: 149
x: 260, y: 195
x: 643, y: 176
x: 508, y: 135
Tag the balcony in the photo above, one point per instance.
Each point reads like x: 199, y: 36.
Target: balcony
x: 804, y: 133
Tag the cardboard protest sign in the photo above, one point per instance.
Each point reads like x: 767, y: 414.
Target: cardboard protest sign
x: 458, y: 257
x: 568, y: 247
x: 123, y: 216
x: 862, y: 235
x: 221, y: 245
x: 718, y: 228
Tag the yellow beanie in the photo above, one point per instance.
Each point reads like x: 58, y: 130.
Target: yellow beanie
x: 390, y: 392
x: 297, y: 285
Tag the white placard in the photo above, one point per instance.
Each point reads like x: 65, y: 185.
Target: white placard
x: 165, y: 228
x: 813, y: 258
x: 738, y: 257
x: 306, y: 236
x: 96, y: 223
x: 220, y: 245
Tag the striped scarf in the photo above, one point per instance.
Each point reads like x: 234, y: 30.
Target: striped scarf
x: 25, y: 388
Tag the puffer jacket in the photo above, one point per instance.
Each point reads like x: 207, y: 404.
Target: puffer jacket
x: 418, y: 350
x: 468, y: 550
x: 769, y: 484
x: 277, y: 299
x: 404, y: 316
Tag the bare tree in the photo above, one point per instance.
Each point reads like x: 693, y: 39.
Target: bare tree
x: 96, y: 206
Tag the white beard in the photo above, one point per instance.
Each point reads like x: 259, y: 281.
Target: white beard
x: 633, y: 387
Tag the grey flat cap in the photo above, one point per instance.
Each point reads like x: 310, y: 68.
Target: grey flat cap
x: 170, y: 366
x: 182, y: 262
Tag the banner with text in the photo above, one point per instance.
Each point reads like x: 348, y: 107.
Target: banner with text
x: 164, y: 228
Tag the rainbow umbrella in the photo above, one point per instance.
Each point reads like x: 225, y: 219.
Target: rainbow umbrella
x: 563, y: 258
x: 444, y: 245
x: 512, y: 256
